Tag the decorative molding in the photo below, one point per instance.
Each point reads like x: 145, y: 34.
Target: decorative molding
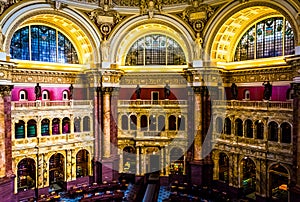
x: 261, y: 75
x: 197, y: 15
x: 38, y: 76
x: 153, y: 79
x: 136, y: 3
x: 105, y: 18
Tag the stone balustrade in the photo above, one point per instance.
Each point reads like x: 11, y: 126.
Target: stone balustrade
x: 52, y: 140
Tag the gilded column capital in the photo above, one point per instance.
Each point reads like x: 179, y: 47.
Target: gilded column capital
x: 5, y: 90
x: 203, y: 90
x: 108, y: 90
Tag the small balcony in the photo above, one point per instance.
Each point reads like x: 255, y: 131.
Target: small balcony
x: 259, y: 105
x: 59, y: 104
x: 150, y: 103
x: 52, y: 140
x: 152, y: 134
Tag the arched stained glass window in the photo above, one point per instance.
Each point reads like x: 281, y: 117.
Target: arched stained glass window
x: 271, y: 37
x: 46, y: 45
x: 155, y: 49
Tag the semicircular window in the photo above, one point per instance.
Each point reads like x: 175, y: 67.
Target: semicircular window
x: 271, y: 37
x: 42, y: 43
x: 155, y: 49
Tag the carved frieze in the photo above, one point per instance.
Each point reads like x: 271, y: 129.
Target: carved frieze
x: 261, y: 75
x: 5, y: 71
x: 37, y: 76
x: 153, y: 79
x: 137, y: 3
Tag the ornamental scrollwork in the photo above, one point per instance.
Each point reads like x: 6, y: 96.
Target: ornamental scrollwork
x: 105, y: 18
x: 197, y: 15
x: 4, y: 5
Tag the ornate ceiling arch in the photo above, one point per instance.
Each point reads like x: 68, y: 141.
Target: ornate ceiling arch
x: 229, y: 26
x: 79, y: 31
x: 133, y: 29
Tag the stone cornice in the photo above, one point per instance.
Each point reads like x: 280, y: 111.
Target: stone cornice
x: 41, y: 76
x: 285, y: 73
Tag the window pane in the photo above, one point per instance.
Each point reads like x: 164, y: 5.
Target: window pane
x: 66, y: 51
x: 43, y: 45
x: 19, y: 48
x: 269, y: 40
x: 157, y: 49
x: 289, y: 39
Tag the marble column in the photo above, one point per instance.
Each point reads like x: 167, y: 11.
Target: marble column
x: 106, y: 123
x: 197, y: 124
x: 121, y: 161
x: 216, y: 158
x: 114, y: 121
x: 295, y: 181
x: 72, y: 124
x: 161, y: 161
x: 5, y: 132
x: 167, y: 164
x: 137, y: 160
x: 96, y: 95
x: 69, y: 165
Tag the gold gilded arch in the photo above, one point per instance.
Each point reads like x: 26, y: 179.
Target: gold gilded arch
x: 228, y: 35
x: 143, y: 30
x: 71, y: 30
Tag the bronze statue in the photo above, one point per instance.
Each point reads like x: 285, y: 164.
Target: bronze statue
x: 71, y: 92
x: 268, y: 90
x: 234, y: 91
x: 167, y: 91
x: 138, y: 92
x: 37, y: 91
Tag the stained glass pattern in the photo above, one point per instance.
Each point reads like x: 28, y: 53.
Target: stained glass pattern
x: 155, y: 49
x: 46, y: 45
x: 19, y: 47
x: 269, y: 38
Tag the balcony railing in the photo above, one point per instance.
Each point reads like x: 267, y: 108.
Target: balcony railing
x: 151, y: 102
x: 263, y: 105
x: 50, y: 104
x: 53, y: 140
x: 141, y: 134
x: 258, y: 144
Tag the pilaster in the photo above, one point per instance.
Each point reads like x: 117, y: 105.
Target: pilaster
x: 6, y: 173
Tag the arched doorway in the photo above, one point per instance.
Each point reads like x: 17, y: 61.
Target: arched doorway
x: 129, y: 160
x: 279, y: 179
x: 56, y: 171
x: 176, y: 161
x: 223, y: 168
x: 26, y: 174
x: 82, y: 163
x: 248, y: 176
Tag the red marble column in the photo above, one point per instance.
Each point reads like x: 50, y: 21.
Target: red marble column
x: 6, y: 173
x: 295, y: 178
x: 97, y: 134
x: 114, y: 122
